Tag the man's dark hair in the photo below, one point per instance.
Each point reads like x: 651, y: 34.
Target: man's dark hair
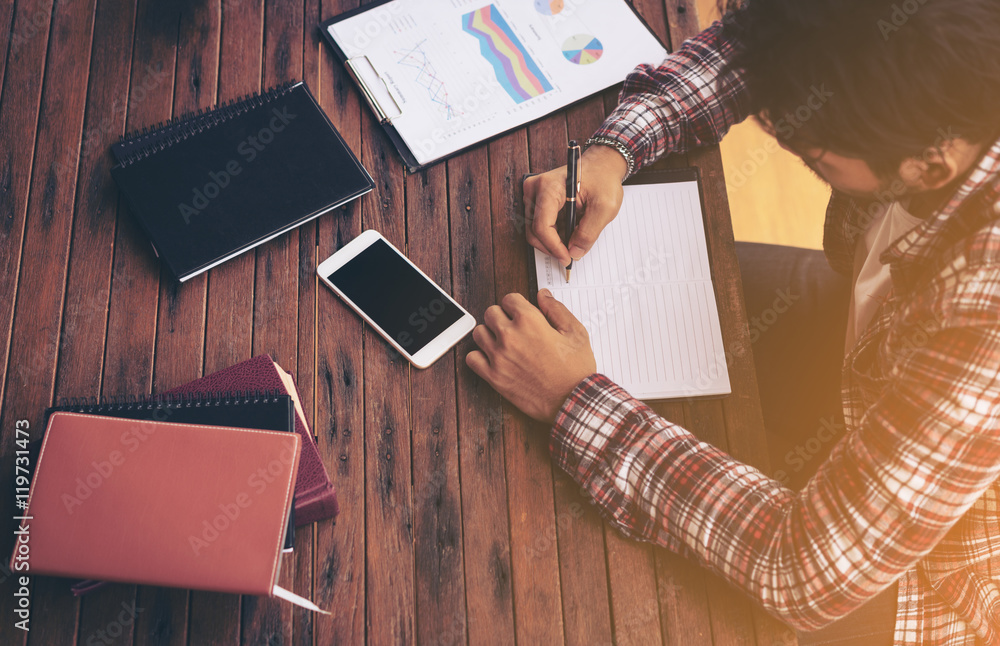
x: 896, y: 76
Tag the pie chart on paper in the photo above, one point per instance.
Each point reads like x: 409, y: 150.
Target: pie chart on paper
x: 582, y: 49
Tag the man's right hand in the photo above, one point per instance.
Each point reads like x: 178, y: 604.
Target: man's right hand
x: 602, y: 170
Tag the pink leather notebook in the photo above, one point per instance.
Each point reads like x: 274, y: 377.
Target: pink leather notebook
x: 315, y: 497
x: 152, y: 503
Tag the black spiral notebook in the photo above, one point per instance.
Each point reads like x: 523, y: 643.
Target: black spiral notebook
x: 209, y: 186
x: 264, y: 411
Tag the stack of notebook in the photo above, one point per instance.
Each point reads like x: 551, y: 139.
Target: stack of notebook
x: 199, y: 487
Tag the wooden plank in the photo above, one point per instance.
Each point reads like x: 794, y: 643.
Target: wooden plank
x: 88, y: 288
x: 47, y: 227
x: 18, y: 123
x: 276, y: 286
x: 635, y: 607
x: 741, y: 411
x: 6, y: 34
x: 729, y: 612
x: 305, y: 373
x: 305, y: 382
x: 181, y: 320
x: 135, y: 272
x: 340, y: 573
x: 388, y: 496
x: 131, y: 332
x: 654, y: 12
x: 582, y: 566
x: 489, y: 597
x: 685, y: 617
x: 534, y: 554
x: 276, y: 298
x: 230, y: 287
x: 437, y: 501
x: 229, y: 321
x: 684, y: 611
x: 740, y: 415
x: 89, y: 281
x: 630, y: 568
x: 180, y: 338
x: 731, y: 618
x: 508, y: 163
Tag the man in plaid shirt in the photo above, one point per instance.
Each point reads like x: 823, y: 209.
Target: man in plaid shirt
x: 904, y: 510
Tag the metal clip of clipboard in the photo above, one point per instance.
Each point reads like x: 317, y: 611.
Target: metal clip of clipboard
x: 373, y: 87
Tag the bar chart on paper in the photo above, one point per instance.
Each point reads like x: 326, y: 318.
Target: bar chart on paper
x: 645, y: 295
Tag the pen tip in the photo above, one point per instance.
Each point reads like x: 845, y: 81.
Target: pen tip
x: 568, y: 272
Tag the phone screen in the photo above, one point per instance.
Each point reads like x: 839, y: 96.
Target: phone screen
x: 407, y: 306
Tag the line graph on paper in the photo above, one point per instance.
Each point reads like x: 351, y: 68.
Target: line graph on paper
x: 426, y: 77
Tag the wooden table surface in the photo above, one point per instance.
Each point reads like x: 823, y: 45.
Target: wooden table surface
x: 454, y: 528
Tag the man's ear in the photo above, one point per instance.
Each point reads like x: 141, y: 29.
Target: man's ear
x: 932, y: 170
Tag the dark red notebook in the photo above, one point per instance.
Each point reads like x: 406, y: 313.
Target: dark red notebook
x: 315, y: 497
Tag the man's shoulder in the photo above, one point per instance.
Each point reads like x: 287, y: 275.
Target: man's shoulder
x: 981, y: 248
x: 968, y: 281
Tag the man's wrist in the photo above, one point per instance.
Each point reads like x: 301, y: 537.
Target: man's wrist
x: 612, y: 153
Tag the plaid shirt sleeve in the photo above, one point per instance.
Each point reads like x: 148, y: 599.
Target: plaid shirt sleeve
x: 687, y: 101
x: 926, y: 450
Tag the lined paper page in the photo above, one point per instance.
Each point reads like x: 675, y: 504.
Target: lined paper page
x: 644, y: 293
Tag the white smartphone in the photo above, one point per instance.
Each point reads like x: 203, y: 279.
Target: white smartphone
x: 397, y: 299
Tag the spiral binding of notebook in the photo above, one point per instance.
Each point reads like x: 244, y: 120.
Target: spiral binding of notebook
x: 152, y: 139
x: 92, y: 405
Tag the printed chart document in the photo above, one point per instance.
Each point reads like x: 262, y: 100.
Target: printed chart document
x: 644, y: 293
x: 448, y: 74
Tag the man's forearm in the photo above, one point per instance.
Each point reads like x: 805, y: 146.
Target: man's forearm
x: 689, y: 100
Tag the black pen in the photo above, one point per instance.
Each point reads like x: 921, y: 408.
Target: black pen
x: 572, y: 192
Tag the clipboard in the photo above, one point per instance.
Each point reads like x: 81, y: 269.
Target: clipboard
x: 376, y: 94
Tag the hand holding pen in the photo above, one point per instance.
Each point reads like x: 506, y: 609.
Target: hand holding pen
x: 600, y: 171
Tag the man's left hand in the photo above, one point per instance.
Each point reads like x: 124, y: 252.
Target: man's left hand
x: 533, y: 356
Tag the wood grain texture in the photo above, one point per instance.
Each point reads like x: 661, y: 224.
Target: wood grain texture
x: 582, y: 566
x: 26, y: 54
x: 630, y: 569
x: 484, y: 492
x: 305, y: 373
x: 439, y: 566
x: 180, y: 329
x: 6, y: 35
x: 340, y: 568
x: 534, y: 537
x: 229, y: 318
x: 47, y: 227
x: 229, y: 287
x: 275, y: 305
x: 388, y: 476
x: 180, y: 338
x: 133, y: 302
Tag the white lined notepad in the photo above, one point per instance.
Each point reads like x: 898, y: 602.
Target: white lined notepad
x: 644, y: 293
